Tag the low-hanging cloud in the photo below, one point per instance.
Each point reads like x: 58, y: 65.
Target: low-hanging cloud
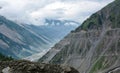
x: 35, y: 11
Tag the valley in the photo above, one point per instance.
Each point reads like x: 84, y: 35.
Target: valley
x: 62, y: 46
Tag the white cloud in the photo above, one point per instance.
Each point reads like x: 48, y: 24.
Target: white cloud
x: 35, y: 11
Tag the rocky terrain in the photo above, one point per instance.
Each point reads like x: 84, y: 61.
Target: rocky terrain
x: 94, y: 47
x: 30, y: 67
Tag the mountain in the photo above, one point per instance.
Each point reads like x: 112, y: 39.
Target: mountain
x: 22, y: 40
x: 17, y: 41
x: 53, y: 22
x: 94, y: 47
x: 52, y: 31
x: 33, y: 67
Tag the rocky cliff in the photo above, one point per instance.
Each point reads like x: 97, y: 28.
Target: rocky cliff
x: 94, y: 47
x: 30, y: 67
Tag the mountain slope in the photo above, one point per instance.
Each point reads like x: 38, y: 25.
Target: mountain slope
x: 52, y: 31
x: 17, y: 41
x: 22, y: 40
x: 94, y: 47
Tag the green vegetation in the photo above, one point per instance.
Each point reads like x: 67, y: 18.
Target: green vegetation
x: 92, y: 22
x: 103, y: 63
x: 5, y: 58
x: 115, y: 15
x: 115, y: 19
x: 98, y: 65
x: 95, y: 21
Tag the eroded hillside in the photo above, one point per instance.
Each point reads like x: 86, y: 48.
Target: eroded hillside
x: 94, y: 47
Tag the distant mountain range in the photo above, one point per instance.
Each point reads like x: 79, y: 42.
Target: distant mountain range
x: 22, y: 40
x: 54, y: 30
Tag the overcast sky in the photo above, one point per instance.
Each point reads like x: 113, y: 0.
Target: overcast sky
x: 35, y: 11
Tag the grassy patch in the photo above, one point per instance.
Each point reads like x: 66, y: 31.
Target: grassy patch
x: 98, y: 65
x: 92, y: 22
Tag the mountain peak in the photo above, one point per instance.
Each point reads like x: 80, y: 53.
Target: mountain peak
x: 108, y: 15
x: 55, y: 22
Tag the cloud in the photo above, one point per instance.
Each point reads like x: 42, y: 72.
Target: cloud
x: 35, y: 11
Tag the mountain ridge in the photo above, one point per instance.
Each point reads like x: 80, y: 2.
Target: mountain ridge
x: 16, y: 38
x: 22, y: 40
x: 94, y: 46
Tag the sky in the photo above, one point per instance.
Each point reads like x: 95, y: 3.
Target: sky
x: 36, y: 11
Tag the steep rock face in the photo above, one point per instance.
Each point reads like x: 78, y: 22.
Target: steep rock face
x: 94, y: 47
x: 30, y: 67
